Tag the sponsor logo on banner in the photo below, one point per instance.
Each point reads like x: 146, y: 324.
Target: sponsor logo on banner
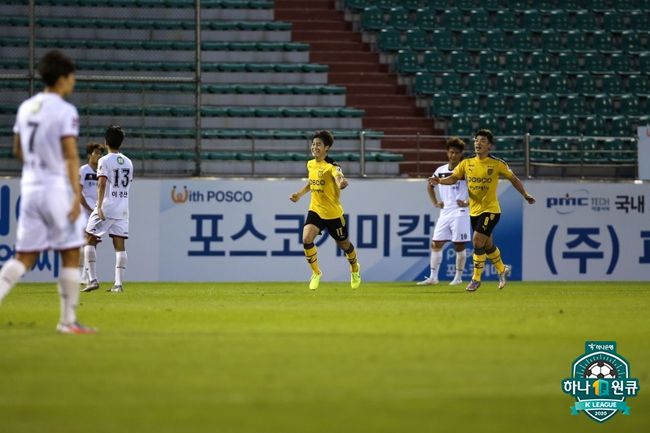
x: 210, y: 196
x: 583, y: 244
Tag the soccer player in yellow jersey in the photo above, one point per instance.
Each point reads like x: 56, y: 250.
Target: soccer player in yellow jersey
x: 325, y: 182
x: 482, y: 173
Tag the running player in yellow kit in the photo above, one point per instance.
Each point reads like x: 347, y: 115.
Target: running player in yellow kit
x: 325, y: 182
x: 482, y: 174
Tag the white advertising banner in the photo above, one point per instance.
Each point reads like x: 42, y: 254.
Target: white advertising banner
x: 644, y: 152
x: 590, y: 231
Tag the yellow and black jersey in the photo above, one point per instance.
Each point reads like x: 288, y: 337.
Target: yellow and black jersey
x: 324, y: 190
x: 482, y: 176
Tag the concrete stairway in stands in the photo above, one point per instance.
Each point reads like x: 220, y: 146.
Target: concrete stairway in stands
x: 369, y: 83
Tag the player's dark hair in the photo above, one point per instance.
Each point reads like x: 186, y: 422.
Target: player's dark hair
x: 325, y: 136
x: 456, y: 143
x: 92, y: 146
x: 485, y: 133
x: 54, y: 65
x: 114, y: 136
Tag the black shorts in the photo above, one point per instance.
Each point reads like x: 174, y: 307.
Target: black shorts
x: 485, y: 222
x: 336, y: 227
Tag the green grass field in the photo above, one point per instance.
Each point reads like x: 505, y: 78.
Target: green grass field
x: 273, y: 357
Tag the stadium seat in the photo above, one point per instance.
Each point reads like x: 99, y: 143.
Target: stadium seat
x: 595, y: 125
x: 602, y: 104
x: 585, y: 84
x: 594, y: 63
x: 506, y: 20
x: 488, y: 62
x: 568, y: 151
x: 613, y: 21
x: 541, y: 125
x: 470, y: 40
x: 521, y: 105
x: 443, y: 39
x: 602, y: 41
x: 425, y: 19
x: 551, y: 41
x: 424, y: 84
x: 568, y: 63
x: 541, y: 152
x: 453, y: 19
x: 575, y: 105
x: 611, y: 84
x: 504, y: 82
x: 461, y: 125
x: 629, y: 105
x: 441, y: 105
x: 495, y: 104
x: 515, y: 61
x: 496, y: 40
x: 532, y: 19
x: 529, y: 82
x: 630, y: 41
x: 450, y: 82
x: 638, y: 84
x: 576, y: 41
x: 372, y: 19
x: 435, y: 61
x: 593, y: 152
x: 584, y: 20
x: 398, y: 18
x: 620, y: 63
x: 406, y: 62
x: 558, y: 19
x: 567, y: 125
x: 479, y: 19
x: 389, y: 40
x: 416, y: 39
x: 469, y: 104
x: 540, y: 61
x: 515, y: 125
x: 477, y: 83
x: 461, y: 62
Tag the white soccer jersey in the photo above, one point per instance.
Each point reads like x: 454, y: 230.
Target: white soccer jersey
x: 88, y: 182
x: 42, y: 121
x: 450, y: 193
x: 118, y: 171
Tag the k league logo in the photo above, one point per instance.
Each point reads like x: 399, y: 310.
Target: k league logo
x: 600, y: 382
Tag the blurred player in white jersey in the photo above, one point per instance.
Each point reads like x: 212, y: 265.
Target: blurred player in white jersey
x: 454, y: 222
x: 88, y: 183
x: 45, y: 140
x: 111, y: 214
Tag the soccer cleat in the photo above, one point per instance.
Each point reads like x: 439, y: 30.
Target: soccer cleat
x: 455, y: 282
x: 315, y: 281
x: 84, y: 279
x: 74, y: 328
x: 94, y: 285
x: 429, y: 281
x: 503, y: 275
x: 473, y: 286
x: 116, y: 288
x: 355, y: 278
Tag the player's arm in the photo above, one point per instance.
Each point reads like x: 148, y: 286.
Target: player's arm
x: 432, y: 195
x: 101, y: 192
x: 71, y: 157
x: 519, y: 186
x: 340, y: 180
x: 298, y: 194
x: 449, y: 180
x: 18, y: 151
x: 85, y: 204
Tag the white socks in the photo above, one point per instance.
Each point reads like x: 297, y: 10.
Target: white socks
x: 10, y: 273
x: 120, y: 266
x: 90, y: 253
x: 69, y: 293
x: 461, y: 257
x: 436, y: 259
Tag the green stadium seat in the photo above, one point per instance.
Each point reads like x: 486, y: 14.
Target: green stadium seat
x: 541, y: 152
x: 644, y: 62
x: 639, y: 19
x: 477, y: 83
x: 621, y: 127
x: 622, y: 152
x: 470, y: 40
x: 567, y: 125
x: 532, y: 19
x: 491, y: 5
x: 638, y: 84
x: 594, y: 63
x: 614, y: 21
x: 629, y: 105
x: 461, y: 62
x: 541, y: 125
x: 469, y: 104
x: 425, y: 19
x: 406, y: 62
x: 496, y: 40
x: 593, y: 152
x: 506, y: 20
x: 602, y: 41
x: 441, y: 105
x: 599, y: 6
x: 576, y: 41
x: 551, y: 41
x: 504, y: 82
x: 530, y: 82
x: 515, y: 124
x: 620, y: 63
x: 488, y: 62
x: 568, y: 63
x: 389, y: 40
x: 540, y: 61
x: 558, y: 19
x: 479, y: 19
x: 630, y: 41
x: 411, y: 5
x: 595, y: 125
x: 515, y: 61
x: 521, y: 105
x: 466, y: 5
x: 584, y: 20
x: 585, y: 84
x: 461, y: 125
x: 417, y: 39
x: 435, y: 61
x: 424, y: 84
x: 568, y: 152
x: 443, y: 39
x: 602, y: 104
x: 372, y: 19
x: 495, y: 104
x: 612, y: 84
x: 453, y: 19
x: 398, y: 18
x: 451, y: 82
x: 386, y: 5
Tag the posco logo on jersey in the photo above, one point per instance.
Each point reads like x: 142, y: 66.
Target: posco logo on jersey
x: 316, y: 182
x: 185, y: 195
x: 479, y: 179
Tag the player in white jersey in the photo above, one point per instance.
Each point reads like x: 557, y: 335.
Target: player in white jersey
x: 88, y: 183
x: 111, y: 214
x: 45, y: 139
x: 454, y: 222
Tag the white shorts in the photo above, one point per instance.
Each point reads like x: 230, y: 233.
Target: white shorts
x: 43, y: 222
x: 453, y: 228
x: 98, y: 228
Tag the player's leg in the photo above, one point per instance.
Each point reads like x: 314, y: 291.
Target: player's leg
x: 494, y: 254
x: 120, y: 262
x: 83, y: 260
x: 69, y: 294
x: 435, y: 258
x: 13, y: 270
x: 461, y: 258
x: 461, y: 233
x: 338, y: 229
x: 310, y: 230
x: 90, y: 253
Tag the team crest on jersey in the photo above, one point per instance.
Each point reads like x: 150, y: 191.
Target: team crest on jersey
x: 120, y: 160
x: 490, y: 170
x: 321, y: 173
